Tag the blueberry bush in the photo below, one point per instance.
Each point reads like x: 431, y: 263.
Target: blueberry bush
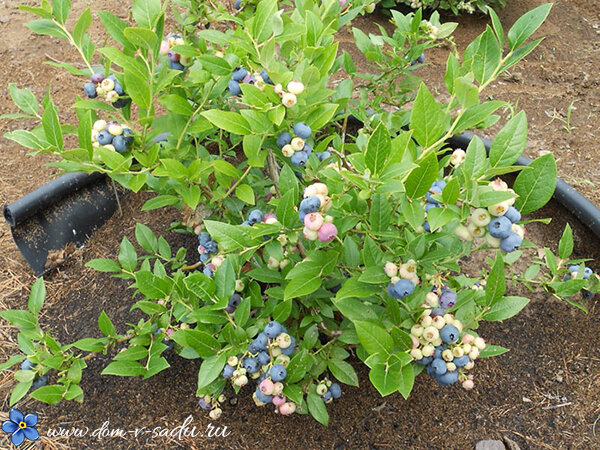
x: 329, y: 214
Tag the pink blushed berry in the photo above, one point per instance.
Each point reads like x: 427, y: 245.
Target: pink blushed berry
x: 164, y: 47
x: 468, y: 385
x: 327, y: 232
x: 266, y: 386
x: 313, y: 221
x: 287, y: 408
x: 279, y: 400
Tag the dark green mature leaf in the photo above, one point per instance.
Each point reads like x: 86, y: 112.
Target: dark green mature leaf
x: 505, y: 308
x: 380, y: 214
x: 510, y: 141
x: 203, y: 343
x: 24, y: 99
x: 211, y: 369
x: 124, y: 369
x: 229, y: 121
x: 37, y: 296
x: 230, y: 237
x: 565, y: 245
x: 378, y: 149
x: 374, y: 338
x: 419, y: 181
x: 51, y: 126
x: 527, y: 24
x: 317, y: 409
x: 146, y: 12
x: 536, y: 184
x: 343, y: 371
x: 428, y: 119
x: 49, y: 394
x: 495, y: 286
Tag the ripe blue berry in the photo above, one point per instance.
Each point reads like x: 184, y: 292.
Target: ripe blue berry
x: 307, y: 149
x: 239, y: 74
x: 278, y: 372
x: 39, y: 382
x: 449, y: 334
x: 250, y: 364
x: 426, y: 227
x: 587, y: 273
x: 499, y: 227
x: 263, y: 397
x: 284, y: 139
x: 336, y: 390
x: 121, y: 103
x: 235, y: 301
x: 441, y: 184
x: 302, y: 130
x: 119, y: 88
x: 438, y: 366
x: 261, y: 338
x: 447, y: 378
x: 511, y: 243
x: 204, y: 238
x: 429, y: 206
x: 27, y: 365
x: 264, y: 358
x: 203, y: 404
x: 434, y: 189
x: 424, y: 361
x: 327, y: 396
x: 255, y: 216
x: 513, y: 214
x: 104, y: 138
x: 323, y: 156
x: 273, y: 329
x: 176, y: 65
x: 402, y: 288
x: 265, y: 76
x: 437, y: 312
x: 207, y: 270
x: 310, y: 204
x: 120, y: 143
x: 211, y: 247
x: 461, y: 361
x: 587, y: 294
x: 299, y: 158
x: 237, y: 4
x: 421, y: 58
x: 90, y: 89
x: 448, y: 299
x: 234, y: 87
x: 228, y: 371
x: 173, y: 56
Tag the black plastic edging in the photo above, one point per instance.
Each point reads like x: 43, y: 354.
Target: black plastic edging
x: 566, y: 195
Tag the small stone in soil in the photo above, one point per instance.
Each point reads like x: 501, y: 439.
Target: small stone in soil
x: 490, y: 445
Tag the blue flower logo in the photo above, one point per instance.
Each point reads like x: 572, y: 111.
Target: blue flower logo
x: 20, y: 427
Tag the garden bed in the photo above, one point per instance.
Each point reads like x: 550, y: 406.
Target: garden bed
x: 543, y: 393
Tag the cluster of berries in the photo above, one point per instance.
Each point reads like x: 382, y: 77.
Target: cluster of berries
x: 236, y: 298
x: 317, y: 226
x: 288, y: 98
x: 436, y: 188
x: 329, y: 391
x: 241, y: 75
x: 214, y: 404
x: 289, y: 245
x: 256, y: 216
x: 176, y: 61
x: 39, y: 381
x: 497, y: 224
x: 574, y: 273
x: 111, y: 135
x: 419, y: 60
x: 268, y: 357
x: 109, y: 87
x: 436, y: 345
x: 206, y: 248
x: 296, y: 147
x: 403, y: 278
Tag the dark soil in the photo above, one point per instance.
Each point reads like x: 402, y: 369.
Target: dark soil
x: 544, y: 393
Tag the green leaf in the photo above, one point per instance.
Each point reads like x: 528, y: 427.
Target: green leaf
x: 37, y: 296
x: 138, y: 89
x: 19, y: 318
x: 380, y: 214
x: 475, y: 160
x: 60, y: 10
x: 262, y: 25
x: 114, y: 26
x: 407, y: 380
x: 46, y: 27
x: 386, y: 378
x: 146, y: 12
x: 211, y: 369
x: 49, y: 394
x: 24, y: 99
x: 505, y: 308
x: 306, y: 277
x: 103, y: 265
x: 317, y: 409
x: 245, y: 193
x: 413, y: 212
x: 420, y: 178
x: 526, y: 25
x: 141, y: 37
x: 228, y: 121
x: 160, y: 201
x: 510, y: 141
x: 565, y: 245
x: 321, y: 116
x: 124, y: 369
x: 203, y: 343
x: 378, y: 149
x: 374, y: 338
x: 105, y: 325
x: 14, y: 359
x: 177, y: 104
x: 19, y: 391
x: 495, y: 286
x: 127, y: 255
x: 51, y: 126
x: 343, y: 371
x: 536, y: 184
x: 134, y: 353
x: 351, y: 252
x: 428, y: 120
x: 492, y: 350
x: 225, y: 279
x: 145, y: 237
x: 81, y: 26
x: 476, y: 114
x: 285, y: 209
x: 230, y: 237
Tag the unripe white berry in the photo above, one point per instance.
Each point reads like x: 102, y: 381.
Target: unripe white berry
x: 242, y: 380
x: 479, y: 343
x: 458, y: 157
x: 416, y: 330
x: 450, y: 366
x: 481, y: 217
x: 232, y: 360
x: 469, y: 365
x: 439, y: 322
x: 432, y: 299
x: 288, y: 100
x: 499, y: 209
x: 295, y: 87
x: 311, y: 235
x: 498, y: 185
x: 297, y: 143
x: 492, y: 241
x: 474, y: 354
x: 467, y: 348
x: 468, y: 385
x: 518, y: 229
x: 463, y: 233
x: 428, y: 350
x: 447, y: 355
x: 416, y: 354
x: 287, y: 151
x: 431, y: 333
x: 458, y: 352
x: 427, y: 321
x: 390, y: 269
x: 239, y: 285
x: 99, y: 125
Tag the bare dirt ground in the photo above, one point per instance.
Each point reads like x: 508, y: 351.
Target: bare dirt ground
x: 545, y: 393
